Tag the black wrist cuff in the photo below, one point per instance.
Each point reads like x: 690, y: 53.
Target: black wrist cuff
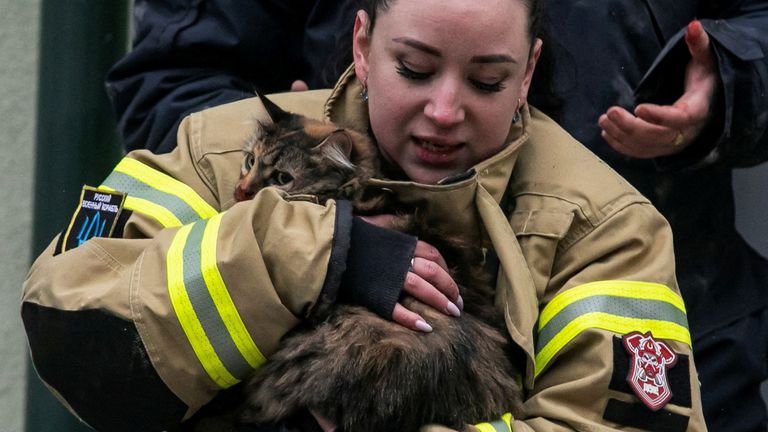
x: 377, y: 263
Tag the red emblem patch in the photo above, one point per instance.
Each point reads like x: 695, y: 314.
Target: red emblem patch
x: 648, y: 374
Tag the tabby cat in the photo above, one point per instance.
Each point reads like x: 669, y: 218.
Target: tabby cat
x: 363, y: 372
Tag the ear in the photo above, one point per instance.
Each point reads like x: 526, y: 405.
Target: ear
x: 337, y: 148
x: 275, y: 112
x: 339, y: 139
x: 529, y: 68
x: 361, y: 44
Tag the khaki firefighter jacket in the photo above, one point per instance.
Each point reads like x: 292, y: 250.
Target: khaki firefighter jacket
x: 138, y: 328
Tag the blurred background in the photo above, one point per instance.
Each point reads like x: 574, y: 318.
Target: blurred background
x: 57, y: 132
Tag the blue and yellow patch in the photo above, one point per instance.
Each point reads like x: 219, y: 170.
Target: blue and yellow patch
x: 96, y: 216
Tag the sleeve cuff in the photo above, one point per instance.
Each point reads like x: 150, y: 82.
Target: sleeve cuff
x: 376, y: 266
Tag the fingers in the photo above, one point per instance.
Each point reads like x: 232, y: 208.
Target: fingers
x: 430, y: 265
x: 429, y: 253
x: 380, y: 220
x: 432, y: 285
x: 698, y: 41
x: 409, y: 319
x: 428, y: 281
x: 675, y: 116
x: 639, y: 137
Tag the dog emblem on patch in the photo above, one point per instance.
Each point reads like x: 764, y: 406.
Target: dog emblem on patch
x: 648, y: 375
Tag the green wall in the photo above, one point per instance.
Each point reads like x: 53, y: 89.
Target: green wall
x: 19, y: 34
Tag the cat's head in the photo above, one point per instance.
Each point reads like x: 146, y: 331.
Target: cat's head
x: 298, y: 155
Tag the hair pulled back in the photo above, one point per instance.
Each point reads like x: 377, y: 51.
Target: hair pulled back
x: 534, y: 7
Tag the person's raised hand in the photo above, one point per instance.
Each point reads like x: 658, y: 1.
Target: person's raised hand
x: 427, y: 280
x: 662, y: 130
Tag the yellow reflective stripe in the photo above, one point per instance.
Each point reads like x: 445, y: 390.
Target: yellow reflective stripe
x: 167, y: 184
x: 186, y: 313
x: 222, y: 299
x: 617, y: 288
x: 503, y: 425
x: 613, y: 323
x: 161, y: 214
x: 507, y: 419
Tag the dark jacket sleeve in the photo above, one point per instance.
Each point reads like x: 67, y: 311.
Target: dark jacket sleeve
x: 736, y: 136
x: 189, y: 55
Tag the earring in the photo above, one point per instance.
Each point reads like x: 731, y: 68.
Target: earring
x: 516, y: 115
x: 364, y: 91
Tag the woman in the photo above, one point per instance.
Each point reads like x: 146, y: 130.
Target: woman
x: 189, y: 291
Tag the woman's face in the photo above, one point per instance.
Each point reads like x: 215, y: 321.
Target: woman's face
x: 444, y: 79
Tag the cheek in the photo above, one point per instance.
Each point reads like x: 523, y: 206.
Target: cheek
x: 391, y: 112
x: 493, y: 127
x: 386, y: 126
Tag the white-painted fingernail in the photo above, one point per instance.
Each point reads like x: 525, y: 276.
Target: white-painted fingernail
x: 453, y: 310
x: 423, y: 326
x: 460, y: 303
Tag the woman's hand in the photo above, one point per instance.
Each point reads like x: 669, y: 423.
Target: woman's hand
x: 427, y: 280
x: 663, y: 130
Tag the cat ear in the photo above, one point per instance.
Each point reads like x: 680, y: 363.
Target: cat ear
x: 275, y: 112
x: 339, y: 139
x: 337, y: 147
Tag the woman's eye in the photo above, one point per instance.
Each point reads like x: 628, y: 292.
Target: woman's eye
x: 409, y: 73
x: 488, y: 88
x: 281, y: 178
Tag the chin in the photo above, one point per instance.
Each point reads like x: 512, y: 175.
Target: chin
x: 431, y: 177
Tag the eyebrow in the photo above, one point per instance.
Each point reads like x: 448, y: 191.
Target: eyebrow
x: 493, y: 58
x: 421, y: 46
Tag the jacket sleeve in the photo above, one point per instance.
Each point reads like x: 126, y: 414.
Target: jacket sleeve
x: 189, y: 55
x: 736, y: 136
x: 605, y: 280
x: 135, y: 332
x: 612, y: 278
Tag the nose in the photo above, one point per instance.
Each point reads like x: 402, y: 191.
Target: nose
x: 246, y: 189
x: 445, y: 107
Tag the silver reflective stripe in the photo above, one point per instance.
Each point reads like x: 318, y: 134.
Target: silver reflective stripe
x: 613, y: 305
x: 138, y: 189
x: 205, y: 309
x: 500, y: 426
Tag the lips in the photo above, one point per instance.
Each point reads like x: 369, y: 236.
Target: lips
x: 436, y: 146
x: 436, y: 150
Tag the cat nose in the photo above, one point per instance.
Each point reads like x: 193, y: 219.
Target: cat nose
x: 243, y: 192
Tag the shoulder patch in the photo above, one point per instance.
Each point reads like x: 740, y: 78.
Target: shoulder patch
x: 650, y: 361
x: 678, y: 377
x: 96, y: 216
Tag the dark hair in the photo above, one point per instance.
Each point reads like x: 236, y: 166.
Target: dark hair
x: 534, y: 7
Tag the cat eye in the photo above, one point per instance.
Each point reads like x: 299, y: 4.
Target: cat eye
x: 281, y: 178
x: 249, y: 161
